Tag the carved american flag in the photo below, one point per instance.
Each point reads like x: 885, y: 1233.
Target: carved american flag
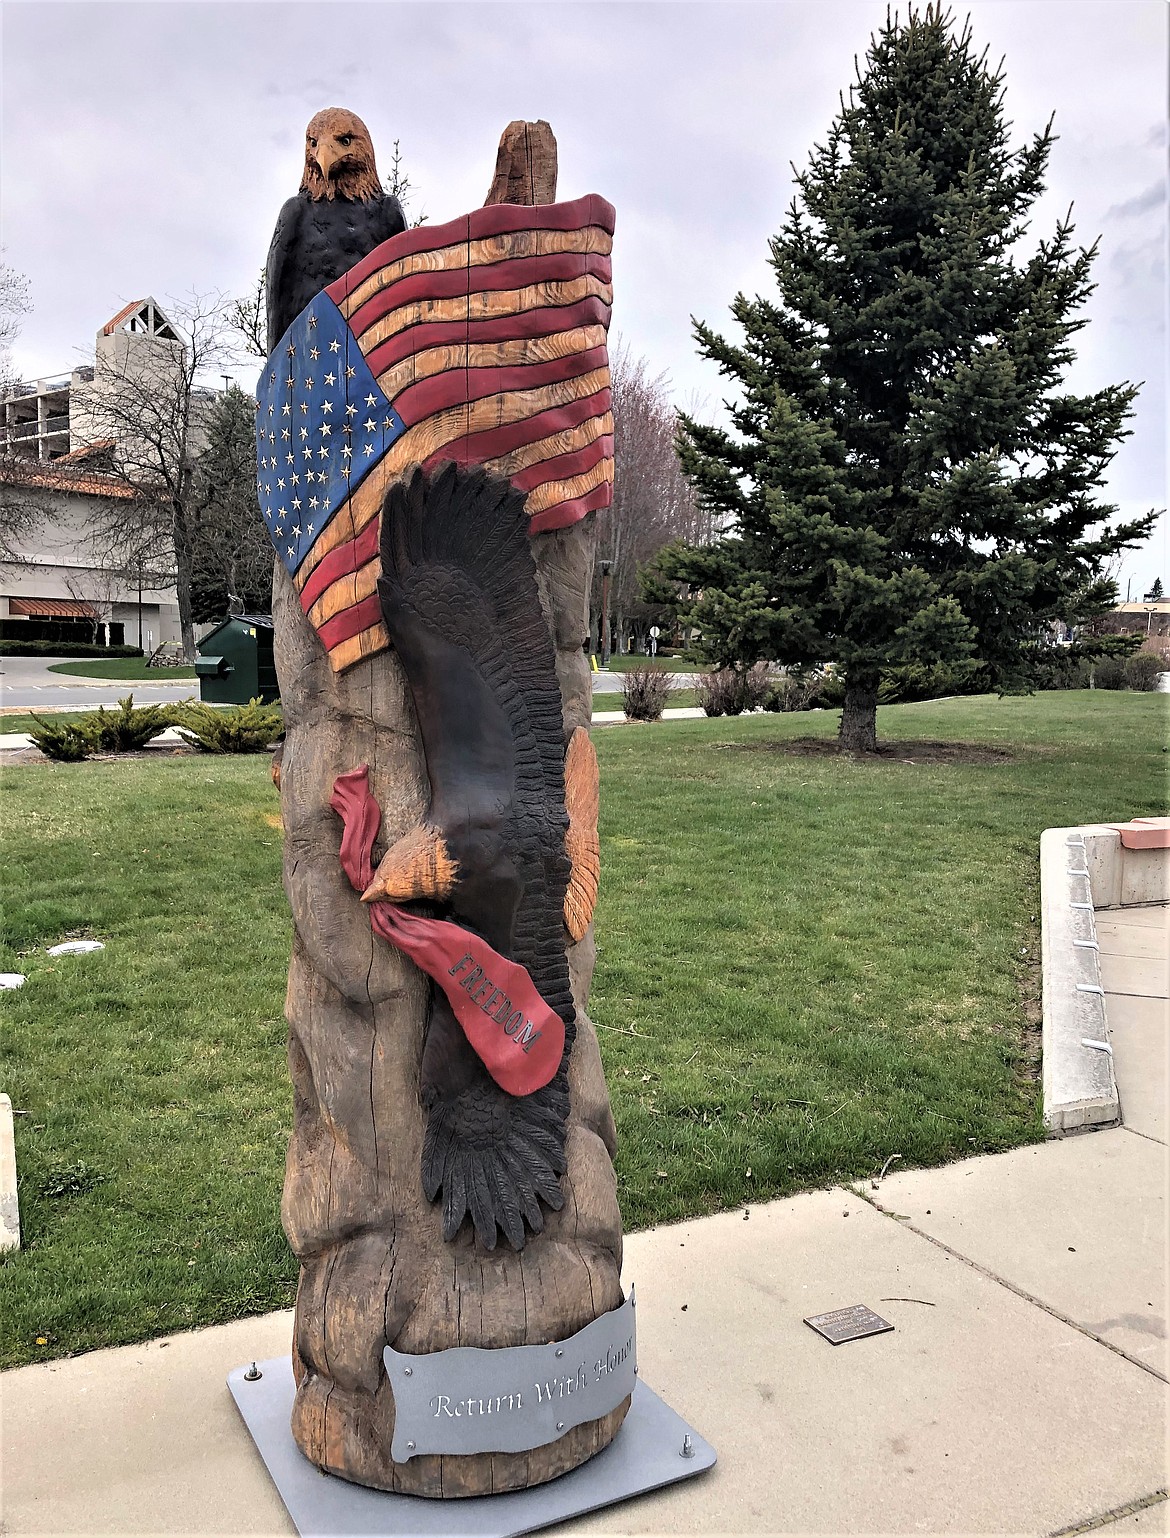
x: 481, y: 341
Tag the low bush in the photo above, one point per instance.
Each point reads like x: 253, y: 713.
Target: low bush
x: 126, y: 729
x: 250, y: 728
x: 731, y: 691
x: 1143, y: 670
x: 65, y: 649
x: 61, y: 740
x: 645, y: 692
x: 1109, y: 673
x: 789, y: 691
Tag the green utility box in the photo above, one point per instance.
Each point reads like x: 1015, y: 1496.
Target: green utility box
x: 235, y: 662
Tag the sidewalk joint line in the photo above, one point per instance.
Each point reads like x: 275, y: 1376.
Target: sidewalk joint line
x: 1011, y: 1286
x: 1149, y: 1137
x: 1130, y: 1510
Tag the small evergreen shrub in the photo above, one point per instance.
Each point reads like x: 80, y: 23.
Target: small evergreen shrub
x: 1109, y: 673
x: 250, y: 728
x: 61, y: 740
x: 645, y: 692
x: 126, y: 729
x: 1143, y: 670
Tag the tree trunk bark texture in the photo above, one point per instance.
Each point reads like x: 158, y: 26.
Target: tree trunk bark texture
x: 374, y: 1267
x: 858, y: 732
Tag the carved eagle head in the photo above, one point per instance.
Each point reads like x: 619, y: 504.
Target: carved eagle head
x: 339, y: 158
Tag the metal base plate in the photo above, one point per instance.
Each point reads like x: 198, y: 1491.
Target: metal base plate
x: 645, y: 1455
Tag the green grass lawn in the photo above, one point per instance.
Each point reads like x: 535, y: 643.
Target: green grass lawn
x: 806, y: 965
x: 677, y: 700
x: 623, y: 664
x: 23, y: 722
x: 119, y: 667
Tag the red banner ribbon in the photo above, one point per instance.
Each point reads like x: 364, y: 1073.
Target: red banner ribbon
x: 519, y: 1039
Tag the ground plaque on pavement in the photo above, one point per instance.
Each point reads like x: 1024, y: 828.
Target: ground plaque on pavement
x: 852, y: 1323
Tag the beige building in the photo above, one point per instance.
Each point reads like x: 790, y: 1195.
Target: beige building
x: 57, y: 441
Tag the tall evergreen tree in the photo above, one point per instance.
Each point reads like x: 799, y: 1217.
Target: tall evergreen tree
x: 905, y: 480
x: 232, y: 557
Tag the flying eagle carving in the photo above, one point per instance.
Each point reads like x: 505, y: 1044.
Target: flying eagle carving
x: 402, y: 494
x: 340, y: 214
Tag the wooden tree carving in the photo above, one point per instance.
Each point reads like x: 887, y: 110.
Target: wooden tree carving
x: 526, y: 1252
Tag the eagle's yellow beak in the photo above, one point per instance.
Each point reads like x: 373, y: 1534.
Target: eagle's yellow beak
x: 327, y: 156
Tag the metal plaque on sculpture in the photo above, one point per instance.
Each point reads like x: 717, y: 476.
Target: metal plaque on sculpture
x: 512, y: 1399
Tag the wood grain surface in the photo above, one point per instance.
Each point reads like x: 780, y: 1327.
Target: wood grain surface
x: 374, y: 1267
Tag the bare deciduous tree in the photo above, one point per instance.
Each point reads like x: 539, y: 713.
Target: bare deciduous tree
x: 14, y: 302
x: 652, y: 502
x: 150, y: 403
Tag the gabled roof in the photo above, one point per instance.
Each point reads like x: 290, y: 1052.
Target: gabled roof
x: 142, y: 315
x: 124, y: 314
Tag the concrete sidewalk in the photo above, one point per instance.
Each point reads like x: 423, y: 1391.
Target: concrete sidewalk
x: 1023, y: 1389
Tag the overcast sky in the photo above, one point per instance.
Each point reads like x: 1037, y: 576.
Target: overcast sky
x: 148, y: 148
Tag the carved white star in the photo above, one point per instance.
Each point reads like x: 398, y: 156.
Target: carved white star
x: 284, y: 435
x: 280, y: 485
x: 304, y: 409
x: 369, y: 424
x: 330, y: 379
x: 325, y: 429
x: 326, y: 405
x: 296, y: 480
x: 351, y: 373
x: 297, y: 530
x: 313, y: 502
x: 286, y: 410
x: 388, y: 423
x: 335, y: 345
x: 346, y: 451
x: 296, y: 501
x: 368, y: 450
x: 290, y: 459
x: 314, y: 353
x: 290, y: 551
x: 291, y: 350
x: 309, y: 530
x: 322, y: 452
x: 312, y: 321
x: 307, y: 450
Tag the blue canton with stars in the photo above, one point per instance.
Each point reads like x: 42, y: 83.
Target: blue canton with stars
x: 322, y: 424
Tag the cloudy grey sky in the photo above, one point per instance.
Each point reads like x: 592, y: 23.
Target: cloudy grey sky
x: 148, y: 147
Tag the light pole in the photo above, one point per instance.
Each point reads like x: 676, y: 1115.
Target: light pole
x: 606, y: 568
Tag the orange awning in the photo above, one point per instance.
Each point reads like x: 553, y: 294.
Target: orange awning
x: 51, y: 608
